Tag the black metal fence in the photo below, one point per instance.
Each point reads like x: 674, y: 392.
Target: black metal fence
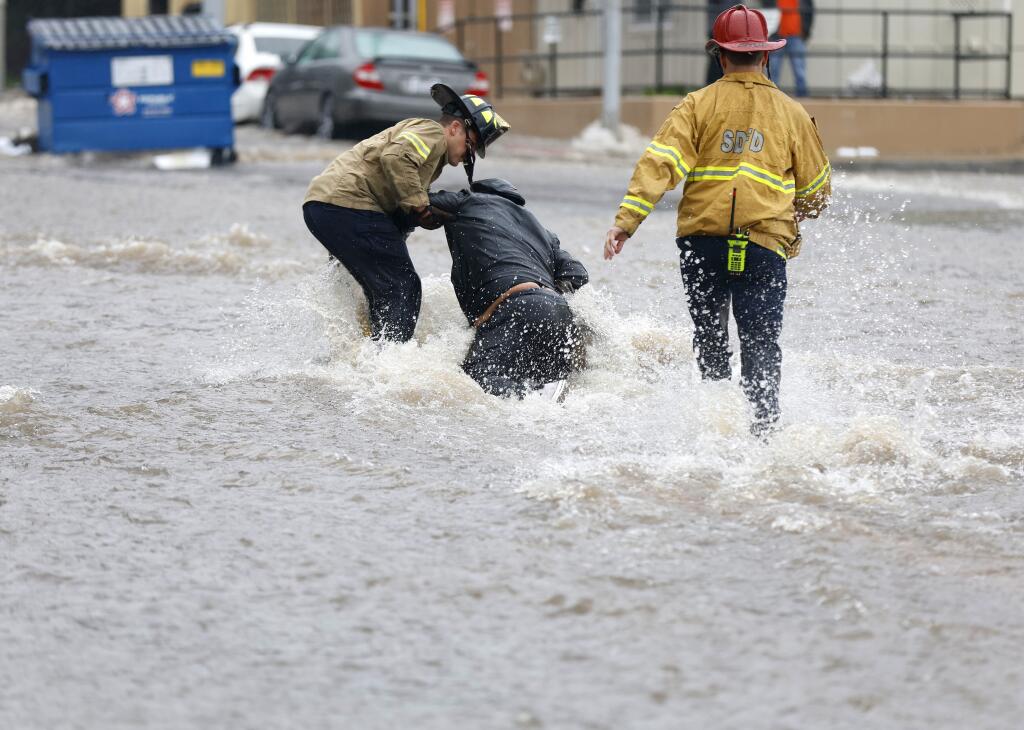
x: 904, y: 53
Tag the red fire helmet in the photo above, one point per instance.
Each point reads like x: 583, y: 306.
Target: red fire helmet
x: 742, y: 29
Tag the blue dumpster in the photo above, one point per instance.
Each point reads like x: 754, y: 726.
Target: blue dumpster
x: 159, y: 82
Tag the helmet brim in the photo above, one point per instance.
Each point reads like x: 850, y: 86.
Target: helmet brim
x: 445, y: 96
x: 746, y: 46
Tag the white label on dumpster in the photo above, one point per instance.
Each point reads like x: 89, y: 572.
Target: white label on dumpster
x: 141, y: 71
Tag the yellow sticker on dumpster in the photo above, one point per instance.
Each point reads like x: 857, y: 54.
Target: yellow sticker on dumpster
x: 208, y: 69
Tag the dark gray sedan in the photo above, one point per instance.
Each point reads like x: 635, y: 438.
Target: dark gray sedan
x: 366, y: 75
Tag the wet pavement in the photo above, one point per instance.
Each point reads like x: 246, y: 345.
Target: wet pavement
x: 220, y: 506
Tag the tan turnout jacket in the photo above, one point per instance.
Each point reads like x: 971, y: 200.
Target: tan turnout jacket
x: 388, y: 171
x: 740, y: 132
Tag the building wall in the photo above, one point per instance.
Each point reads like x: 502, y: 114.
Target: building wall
x: 481, y: 40
x: 686, y: 31
x: 311, y: 12
x: 918, y: 34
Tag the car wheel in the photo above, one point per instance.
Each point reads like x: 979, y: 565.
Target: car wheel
x: 326, y: 127
x: 268, y: 115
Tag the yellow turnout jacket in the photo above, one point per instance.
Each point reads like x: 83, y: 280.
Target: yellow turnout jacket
x: 740, y: 132
x: 388, y: 171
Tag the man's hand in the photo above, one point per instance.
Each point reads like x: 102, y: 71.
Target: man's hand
x: 614, y: 242
x: 432, y: 217
x: 564, y: 286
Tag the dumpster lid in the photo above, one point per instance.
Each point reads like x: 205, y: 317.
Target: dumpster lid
x: 155, y: 31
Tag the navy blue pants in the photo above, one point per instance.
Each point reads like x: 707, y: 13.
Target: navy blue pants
x: 373, y: 249
x: 531, y: 339
x: 757, y: 298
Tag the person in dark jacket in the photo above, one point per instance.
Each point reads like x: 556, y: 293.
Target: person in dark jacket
x: 510, y: 275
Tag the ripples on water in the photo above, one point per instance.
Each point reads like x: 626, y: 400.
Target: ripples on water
x: 223, y: 492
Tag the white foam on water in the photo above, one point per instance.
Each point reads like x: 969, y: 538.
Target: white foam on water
x: 639, y: 432
x: 229, y: 254
x: 318, y: 329
x: 242, y: 236
x: 14, y: 399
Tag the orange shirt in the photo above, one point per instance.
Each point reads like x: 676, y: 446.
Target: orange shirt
x: 791, y: 23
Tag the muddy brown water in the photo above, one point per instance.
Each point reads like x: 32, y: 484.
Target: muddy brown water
x: 220, y: 506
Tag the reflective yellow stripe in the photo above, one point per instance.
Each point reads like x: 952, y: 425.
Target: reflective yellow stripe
x: 637, y: 208
x: 635, y: 202
x: 824, y: 175
x: 637, y: 199
x: 418, y: 143
x: 675, y: 165
x: 749, y: 168
x: 673, y: 151
x: 757, y: 174
x: 672, y: 155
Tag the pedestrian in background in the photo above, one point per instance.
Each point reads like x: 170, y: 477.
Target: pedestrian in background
x: 795, y: 20
x: 753, y: 167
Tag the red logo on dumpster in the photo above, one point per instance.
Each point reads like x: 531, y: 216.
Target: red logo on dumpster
x: 122, y: 102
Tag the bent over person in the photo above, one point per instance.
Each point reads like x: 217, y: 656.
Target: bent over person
x: 363, y: 206
x: 753, y: 167
x: 510, y: 276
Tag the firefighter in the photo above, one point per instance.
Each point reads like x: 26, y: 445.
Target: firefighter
x: 511, y: 276
x: 363, y: 206
x: 753, y: 167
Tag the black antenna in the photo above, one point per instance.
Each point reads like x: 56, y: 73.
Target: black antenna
x: 732, y: 213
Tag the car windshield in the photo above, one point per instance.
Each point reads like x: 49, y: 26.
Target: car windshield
x: 383, y: 44
x: 283, y: 47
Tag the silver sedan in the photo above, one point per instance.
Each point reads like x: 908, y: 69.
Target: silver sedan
x: 352, y: 75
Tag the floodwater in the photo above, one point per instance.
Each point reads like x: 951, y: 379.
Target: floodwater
x: 221, y: 507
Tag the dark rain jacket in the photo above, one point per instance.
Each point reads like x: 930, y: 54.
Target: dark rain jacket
x: 497, y: 243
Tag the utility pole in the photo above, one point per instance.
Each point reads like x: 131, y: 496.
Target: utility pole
x: 611, y: 96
